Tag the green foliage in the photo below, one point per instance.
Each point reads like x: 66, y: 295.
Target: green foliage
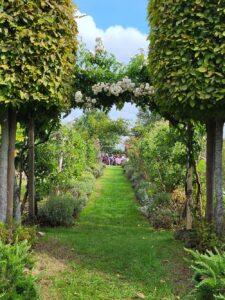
x: 88, y: 180
x: 16, y: 281
x: 28, y: 234
x: 37, y: 53
x: 137, y: 69
x: 98, y: 125
x: 62, y: 209
x: 164, y: 217
x: 12, y: 235
x: 63, y: 159
x: 159, y: 207
x: 156, y: 168
x: 159, y: 155
x: 186, y: 57
x: 92, y: 68
x: 58, y: 210
x: 97, y: 170
x: 205, y: 236
x: 5, y: 233
x: 209, y: 274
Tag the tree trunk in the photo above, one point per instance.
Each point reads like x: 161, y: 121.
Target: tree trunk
x: 199, y: 188
x: 16, y: 205
x: 24, y: 201
x: 189, y: 200
x: 61, y: 162
x: 189, y: 182
x: 11, y: 164
x: 210, y: 161
x: 4, y: 165
x: 31, y: 180
x: 219, y: 211
x: 21, y: 167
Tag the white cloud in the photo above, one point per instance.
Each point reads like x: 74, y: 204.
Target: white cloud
x: 122, y: 42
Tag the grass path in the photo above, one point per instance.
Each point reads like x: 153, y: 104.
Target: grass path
x: 112, y: 253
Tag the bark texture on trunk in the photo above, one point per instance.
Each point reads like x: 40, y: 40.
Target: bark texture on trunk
x: 209, y: 212
x: 189, y: 182
x: 4, y: 165
x: 189, y: 200
x: 60, y: 162
x: 199, y: 188
x: 16, y: 204
x: 31, y: 179
x: 219, y: 211
x: 11, y: 164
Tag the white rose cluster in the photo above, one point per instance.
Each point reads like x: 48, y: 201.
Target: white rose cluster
x: 143, y: 90
x: 87, y: 101
x: 115, y: 89
x: 79, y: 97
x: 125, y: 85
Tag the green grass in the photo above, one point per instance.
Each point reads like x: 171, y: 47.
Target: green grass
x: 116, y: 254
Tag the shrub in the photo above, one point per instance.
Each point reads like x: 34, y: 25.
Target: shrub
x: 209, y: 275
x: 142, y: 196
x: 5, y: 233
x: 28, y: 234
x: 163, y: 217
x: 97, y: 170
x: 129, y: 170
x: 161, y: 211
x: 135, y: 178
x: 58, y: 210
x: 205, y: 235
x: 82, y: 188
x: 16, y: 281
x: 79, y: 189
x: 10, y: 234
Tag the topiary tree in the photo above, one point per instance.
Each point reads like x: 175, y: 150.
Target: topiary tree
x: 186, y: 65
x: 37, y: 49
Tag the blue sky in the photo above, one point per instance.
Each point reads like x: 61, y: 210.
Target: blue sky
x: 123, y: 27
x: 128, y: 13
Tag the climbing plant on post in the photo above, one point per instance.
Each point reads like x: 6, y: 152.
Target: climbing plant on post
x: 37, y: 51
x: 186, y: 65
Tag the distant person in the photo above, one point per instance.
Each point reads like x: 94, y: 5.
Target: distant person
x: 118, y: 160
x: 105, y: 159
x: 111, y: 160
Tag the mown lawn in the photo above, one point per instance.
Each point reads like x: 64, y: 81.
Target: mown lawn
x: 112, y: 252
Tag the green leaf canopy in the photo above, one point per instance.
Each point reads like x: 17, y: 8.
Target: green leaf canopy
x: 37, y: 53
x: 187, y: 57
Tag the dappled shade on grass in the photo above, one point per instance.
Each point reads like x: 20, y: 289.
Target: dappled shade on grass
x: 116, y: 253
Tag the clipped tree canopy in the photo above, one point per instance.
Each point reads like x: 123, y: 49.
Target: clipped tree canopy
x: 37, y: 53
x: 187, y: 51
